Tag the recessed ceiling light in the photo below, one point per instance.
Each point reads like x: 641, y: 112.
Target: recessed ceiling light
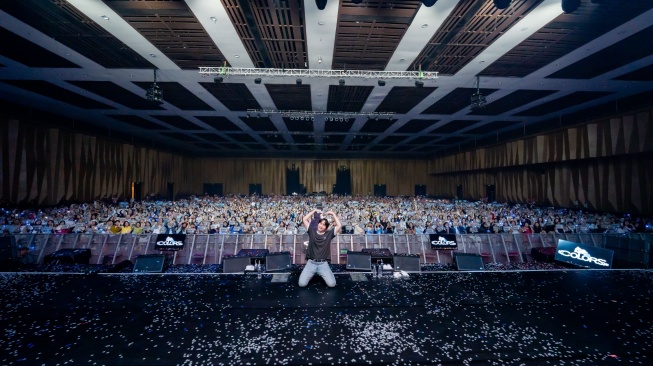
x: 214, y: 19
x: 424, y: 25
x: 104, y: 17
x: 152, y: 55
x: 320, y: 22
x: 237, y: 56
x: 401, y: 60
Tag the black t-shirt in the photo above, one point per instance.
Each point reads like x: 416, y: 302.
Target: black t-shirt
x: 319, y: 246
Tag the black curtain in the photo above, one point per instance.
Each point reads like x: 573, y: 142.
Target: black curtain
x: 491, y: 192
x: 213, y: 189
x: 255, y: 188
x: 171, y: 191
x: 292, y: 181
x: 420, y: 189
x: 138, y: 191
x: 379, y: 190
x: 459, y: 191
x: 343, y: 182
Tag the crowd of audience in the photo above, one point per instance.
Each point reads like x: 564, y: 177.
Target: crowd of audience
x: 283, y: 214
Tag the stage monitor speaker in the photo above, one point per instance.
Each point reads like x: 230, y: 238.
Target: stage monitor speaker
x: 468, y: 262
x: 278, y: 261
x: 359, y: 261
x: 153, y: 263
x: 235, y: 264
x: 407, y: 263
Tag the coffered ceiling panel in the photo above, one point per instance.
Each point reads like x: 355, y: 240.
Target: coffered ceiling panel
x: 88, y: 66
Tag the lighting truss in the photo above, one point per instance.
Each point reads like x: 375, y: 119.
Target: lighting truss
x: 317, y: 73
x: 310, y: 115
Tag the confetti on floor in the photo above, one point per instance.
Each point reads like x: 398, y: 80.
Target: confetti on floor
x: 570, y: 317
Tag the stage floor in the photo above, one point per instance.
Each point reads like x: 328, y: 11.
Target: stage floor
x: 571, y: 317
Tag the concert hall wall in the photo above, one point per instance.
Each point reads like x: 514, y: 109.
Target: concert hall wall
x: 45, y: 166
x: 604, y: 164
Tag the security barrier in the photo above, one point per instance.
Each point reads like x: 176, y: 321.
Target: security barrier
x: 210, y: 249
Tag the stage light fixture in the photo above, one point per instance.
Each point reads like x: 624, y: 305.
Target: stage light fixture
x: 501, y: 4
x: 154, y: 94
x: 429, y: 3
x: 321, y: 4
x: 570, y: 6
x: 298, y: 81
x: 419, y: 83
x: 341, y: 82
x: 257, y: 81
x: 478, y: 100
x: 381, y: 82
x: 218, y: 79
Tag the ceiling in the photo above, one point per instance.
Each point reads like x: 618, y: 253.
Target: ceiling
x: 86, y: 65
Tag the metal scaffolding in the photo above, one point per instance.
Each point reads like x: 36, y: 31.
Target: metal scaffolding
x: 315, y: 73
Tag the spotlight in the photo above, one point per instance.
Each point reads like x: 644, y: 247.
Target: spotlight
x: 570, y: 6
x: 429, y: 3
x: 501, y: 4
x: 341, y: 82
x: 298, y: 81
x: 312, y: 118
x: 257, y: 81
x: 419, y: 83
x: 218, y: 79
x: 321, y: 4
x: 381, y: 82
x: 292, y: 118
